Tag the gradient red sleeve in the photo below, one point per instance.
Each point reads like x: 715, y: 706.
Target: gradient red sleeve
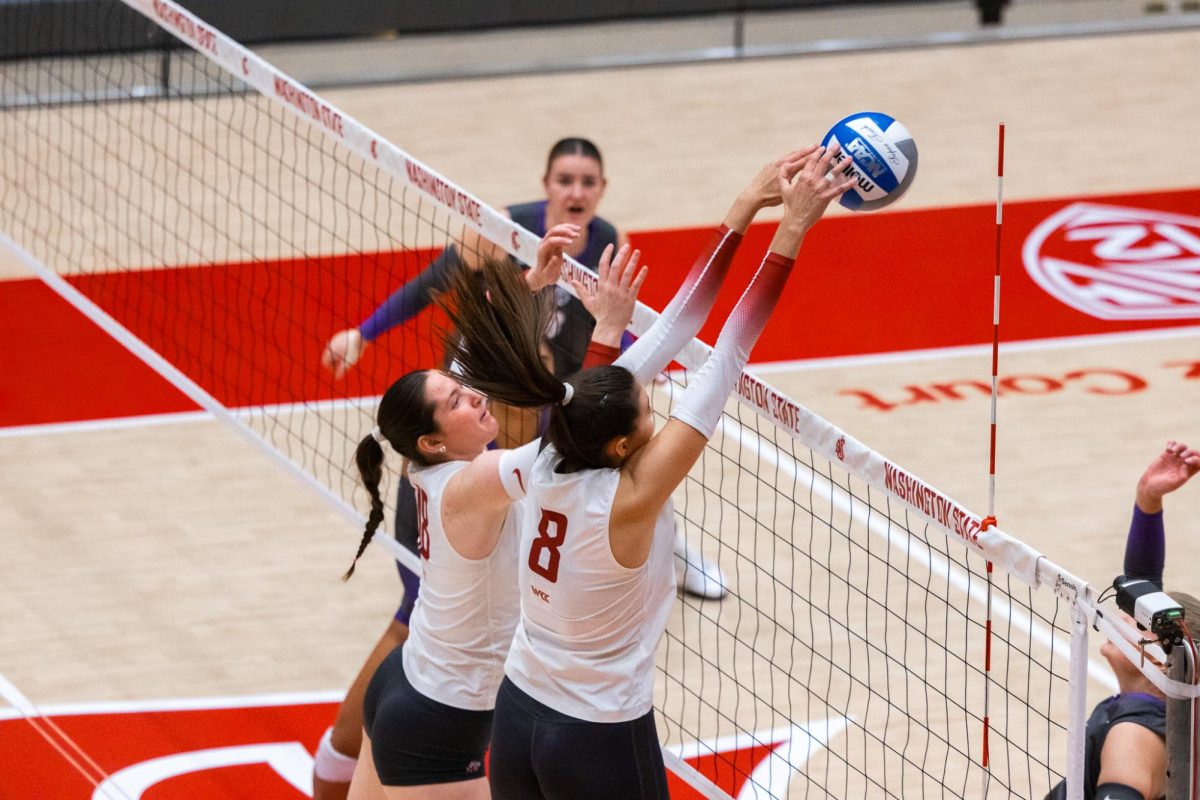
x: 683, y: 317
x: 703, y: 401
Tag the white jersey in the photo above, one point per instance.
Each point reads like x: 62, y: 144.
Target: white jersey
x: 589, y: 626
x: 463, y: 621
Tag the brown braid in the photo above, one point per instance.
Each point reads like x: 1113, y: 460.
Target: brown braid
x: 404, y: 416
x: 369, y: 457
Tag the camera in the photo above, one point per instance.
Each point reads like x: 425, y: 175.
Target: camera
x: 1151, y: 607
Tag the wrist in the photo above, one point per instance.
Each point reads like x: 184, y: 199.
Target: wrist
x: 1147, y: 501
x: 742, y: 212
x: 608, y: 335
x: 787, y: 240
x: 534, y: 283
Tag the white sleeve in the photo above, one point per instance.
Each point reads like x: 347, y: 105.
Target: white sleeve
x: 516, y: 467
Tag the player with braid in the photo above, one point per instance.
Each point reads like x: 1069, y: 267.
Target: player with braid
x: 427, y: 709
x: 574, y: 716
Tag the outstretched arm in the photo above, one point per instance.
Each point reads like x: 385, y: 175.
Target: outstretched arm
x: 346, y: 347
x: 683, y: 317
x: 1145, y: 547
x: 656, y: 469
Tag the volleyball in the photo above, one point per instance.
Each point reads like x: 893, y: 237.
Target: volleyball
x: 879, y: 153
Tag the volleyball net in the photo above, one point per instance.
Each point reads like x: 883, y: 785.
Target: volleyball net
x: 222, y: 221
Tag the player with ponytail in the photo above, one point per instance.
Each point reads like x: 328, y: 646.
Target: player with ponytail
x: 574, y: 715
x: 428, y: 707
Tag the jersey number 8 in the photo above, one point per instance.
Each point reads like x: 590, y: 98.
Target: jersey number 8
x: 549, y: 544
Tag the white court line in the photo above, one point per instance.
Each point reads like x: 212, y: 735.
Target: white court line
x: 185, y: 417
x: 176, y: 704
x: 181, y: 381
x: 973, y: 350
x: 54, y: 736
x: 21, y: 705
x: 107, y: 424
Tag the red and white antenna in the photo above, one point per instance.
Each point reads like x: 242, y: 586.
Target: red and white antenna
x: 990, y: 519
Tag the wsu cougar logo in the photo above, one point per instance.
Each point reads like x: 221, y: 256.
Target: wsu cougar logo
x: 1118, y: 263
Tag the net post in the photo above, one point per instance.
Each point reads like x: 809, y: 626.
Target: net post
x: 1183, y: 726
x: 1077, y: 704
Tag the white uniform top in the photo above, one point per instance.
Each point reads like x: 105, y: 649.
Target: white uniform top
x: 589, y: 626
x: 464, y: 617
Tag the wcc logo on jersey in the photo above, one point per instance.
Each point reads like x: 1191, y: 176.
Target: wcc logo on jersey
x: 1118, y: 263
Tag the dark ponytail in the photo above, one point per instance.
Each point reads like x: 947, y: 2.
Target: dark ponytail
x: 500, y: 324
x: 404, y: 416
x: 604, y: 406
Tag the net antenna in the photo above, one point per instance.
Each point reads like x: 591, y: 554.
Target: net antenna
x: 990, y: 520
x: 223, y: 220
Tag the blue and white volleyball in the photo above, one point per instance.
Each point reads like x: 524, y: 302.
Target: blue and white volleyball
x: 879, y: 154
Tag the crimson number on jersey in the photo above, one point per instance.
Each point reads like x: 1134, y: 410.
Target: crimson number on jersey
x: 548, y: 543
x: 422, y: 522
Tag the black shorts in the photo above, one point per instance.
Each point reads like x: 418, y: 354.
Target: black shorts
x: 416, y: 741
x: 538, y: 752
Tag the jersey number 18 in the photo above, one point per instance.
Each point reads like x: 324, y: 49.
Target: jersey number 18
x: 422, y: 523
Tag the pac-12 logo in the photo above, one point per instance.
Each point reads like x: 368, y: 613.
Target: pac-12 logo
x: 1118, y: 263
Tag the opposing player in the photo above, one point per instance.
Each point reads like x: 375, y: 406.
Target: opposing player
x: 427, y: 709
x: 1126, y: 753
x: 574, y: 183
x: 574, y: 715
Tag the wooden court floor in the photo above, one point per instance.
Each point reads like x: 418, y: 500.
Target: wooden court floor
x: 166, y: 558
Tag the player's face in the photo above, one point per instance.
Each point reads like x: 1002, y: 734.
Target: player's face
x: 465, y: 425
x: 574, y: 186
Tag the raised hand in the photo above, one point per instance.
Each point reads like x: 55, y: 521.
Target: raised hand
x: 548, y: 268
x: 764, y: 188
x: 807, y: 192
x: 611, y: 301
x: 343, y: 351
x: 1172, y: 468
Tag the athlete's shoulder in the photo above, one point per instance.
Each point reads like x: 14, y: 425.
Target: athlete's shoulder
x: 528, y: 215
x: 1145, y: 710
x: 605, y: 228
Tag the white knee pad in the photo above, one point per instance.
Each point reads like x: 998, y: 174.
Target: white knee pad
x: 330, y: 765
